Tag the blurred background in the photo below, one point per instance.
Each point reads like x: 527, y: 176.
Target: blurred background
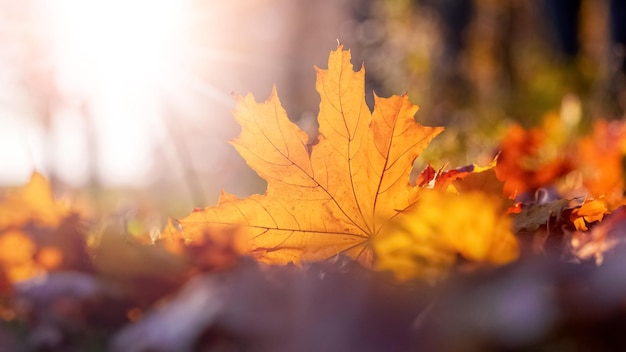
x: 129, y: 101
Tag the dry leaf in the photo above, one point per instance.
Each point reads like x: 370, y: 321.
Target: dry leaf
x: 326, y: 197
x: 591, y: 211
x: 144, y: 272
x: 205, y: 253
x: 534, y: 215
x: 440, y: 227
x: 600, y: 159
x: 17, y: 256
x: 463, y: 179
x: 34, y: 203
x: 604, y: 237
x: 37, y: 233
x: 525, y: 164
x: 484, y: 181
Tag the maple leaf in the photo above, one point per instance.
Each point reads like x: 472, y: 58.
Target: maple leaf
x: 326, y: 197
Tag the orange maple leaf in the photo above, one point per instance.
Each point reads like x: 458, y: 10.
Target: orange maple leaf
x: 326, y: 197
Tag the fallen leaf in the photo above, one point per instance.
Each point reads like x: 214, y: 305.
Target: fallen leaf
x: 17, y: 253
x: 604, y: 237
x: 427, y: 240
x: 326, y: 197
x: 206, y: 253
x: 38, y: 234
x: 28, y: 251
x: 57, y: 306
x: 469, y: 178
x: 600, y: 159
x: 524, y: 164
x: 484, y: 181
x: 144, y: 272
x: 32, y: 202
x: 591, y: 211
x: 534, y: 215
x: 444, y: 179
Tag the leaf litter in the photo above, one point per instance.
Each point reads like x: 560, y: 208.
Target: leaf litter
x: 342, y: 252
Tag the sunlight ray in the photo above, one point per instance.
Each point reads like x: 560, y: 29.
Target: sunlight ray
x: 204, y: 88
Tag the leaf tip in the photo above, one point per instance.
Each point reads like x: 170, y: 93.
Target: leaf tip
x: 274, y: 93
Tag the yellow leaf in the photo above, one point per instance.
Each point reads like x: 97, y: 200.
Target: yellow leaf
x: 33, y: 202
x: 442, y: 225
x: 326, y: 197
x: 17, y: 256
x: 37, y: 233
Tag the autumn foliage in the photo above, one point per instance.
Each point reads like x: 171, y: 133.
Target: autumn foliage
x: 341, y: 232
x: 325, y: 197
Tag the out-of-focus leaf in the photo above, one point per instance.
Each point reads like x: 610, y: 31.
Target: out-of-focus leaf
x: 600, y: 160
x: 59, y: 307
x: 591, y: 211
x: 17, y: 256
x: 534, y: 215
x: 145, y: 273
x: 446, y: 179
x: 441, y: 226
x: 31, y: 250
x: 522, y: 164
x: 32, y: 203
x: 603, y: 237
x: 38, y: 234
x: 207, y: 252
x: 481, y: 180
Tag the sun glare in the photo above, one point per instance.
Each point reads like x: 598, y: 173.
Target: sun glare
x: 115, y: 56
x: 114, y: 91
x: 126, y: 43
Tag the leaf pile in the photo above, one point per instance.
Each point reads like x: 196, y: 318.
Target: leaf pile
x: 343, y: 251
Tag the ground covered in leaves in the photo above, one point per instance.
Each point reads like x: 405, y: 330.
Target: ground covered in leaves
x: 346, y: 250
